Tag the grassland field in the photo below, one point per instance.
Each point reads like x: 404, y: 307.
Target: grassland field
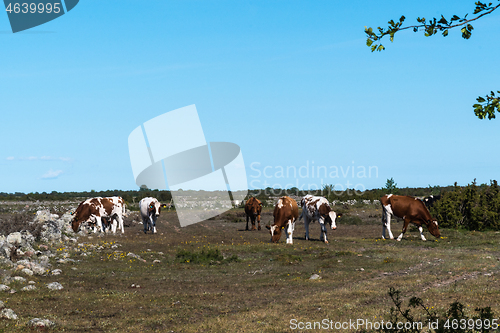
x: 256, y: 286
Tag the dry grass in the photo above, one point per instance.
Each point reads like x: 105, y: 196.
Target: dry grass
x: 267, y: 287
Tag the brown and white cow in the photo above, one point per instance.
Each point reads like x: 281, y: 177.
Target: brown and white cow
x: 253, y: 208
x: 94, y: 209
x: 285, y: 213
x: 317, y: 209
x: 411, y: 210
x: 150, y: 209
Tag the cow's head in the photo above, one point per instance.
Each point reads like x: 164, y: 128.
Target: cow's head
x: 275, y: 232
x: 432, y: 226
x: 328, y: 214
x: 154, y: 208
x: 75, y: 223
x: 255, y: 207
x: 331, y: 218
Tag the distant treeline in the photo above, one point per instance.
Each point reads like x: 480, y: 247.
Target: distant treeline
x: 133, y: 196
x: 351, y: 194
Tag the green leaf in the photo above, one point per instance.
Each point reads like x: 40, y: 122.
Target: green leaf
x: 480, y: 99
x: 369, y: 42
x: 445, y: 33
x: 442, y: 20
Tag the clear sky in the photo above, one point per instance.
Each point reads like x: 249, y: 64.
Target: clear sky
x: 291, y: 82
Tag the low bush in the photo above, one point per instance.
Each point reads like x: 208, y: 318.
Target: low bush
x: 472, y: 207
x: 19, y: 222
x: 455, y: 319
x: 208, y: 256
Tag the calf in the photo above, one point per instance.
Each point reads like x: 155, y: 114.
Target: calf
x: 253, y: 208
x: 317, y: 208
x: 411, y: 210
x: 94, y: 209
x: 285, y: 213
x: 150, y: 210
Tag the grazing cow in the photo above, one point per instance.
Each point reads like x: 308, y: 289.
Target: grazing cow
x: 150, y: 210
x: 430, y: 200
x: 94, y: 209
x: 253, y: 208
x: 317, y: 208
x: 285, y: 213
x: 410, y: 210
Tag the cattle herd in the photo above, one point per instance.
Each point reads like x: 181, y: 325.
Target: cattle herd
x: 102, y: 214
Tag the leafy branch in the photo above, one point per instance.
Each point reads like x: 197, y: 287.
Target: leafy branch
x: 487, y: 105
x: 430, y: 28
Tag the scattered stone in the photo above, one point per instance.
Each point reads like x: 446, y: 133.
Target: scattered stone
x: 14, y: 238
x: 55, y: 286
x: 8, y: 314
x: 28, y: 287
x: 31, y: 282
x: 4, y: 287
x: 133, y: 255
x: 56, y: 271
x: 40, y: 323
x: 19, y: 279
x: 38, y: 270
x: 135, y: 286
x: 315, y: 277
x: 2, y: 304
x: 27, y: 271
x: 156, y: 261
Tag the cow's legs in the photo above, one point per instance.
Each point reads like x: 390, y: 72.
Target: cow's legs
x: 247, y: 222
x: 113, y: 224
x: 120, y: 224
x: 386, y: 221
x: 258, y: 221
x: 289, y: 231
x: 306, y: 226
x: 421, y: 233
x: 323, y: 233
x: 405, y: 226
x: 253, y: 222
x: 98, y: 224
x: 145, y: 223
x: 153, y: 224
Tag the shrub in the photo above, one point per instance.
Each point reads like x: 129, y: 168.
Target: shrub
x: 209, y: 256
x: 472, y: 207
x: 18, y: 223
x: 455, y: 319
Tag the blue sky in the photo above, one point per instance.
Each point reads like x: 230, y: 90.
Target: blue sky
x: 291, y: 82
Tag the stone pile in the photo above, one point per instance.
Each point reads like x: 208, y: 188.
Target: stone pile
x: 20, y: 255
